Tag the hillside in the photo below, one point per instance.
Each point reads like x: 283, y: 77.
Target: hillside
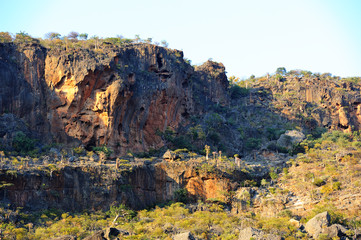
x: 93, y: 136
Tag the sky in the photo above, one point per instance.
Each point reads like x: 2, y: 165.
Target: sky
x: 250, y: 37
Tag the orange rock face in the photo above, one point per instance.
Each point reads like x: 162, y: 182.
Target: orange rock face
x: 121, y: 97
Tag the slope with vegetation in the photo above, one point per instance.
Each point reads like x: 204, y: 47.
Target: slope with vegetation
x: 98, y: 114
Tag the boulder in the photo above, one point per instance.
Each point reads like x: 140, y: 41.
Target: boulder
x: 252, y: 233
x: 99, y: 235
x: 66, y: 237
x: 169, y: 155
x: 320, y: 225
x: 289, y: 138
x: 111, y: 232
x: 183, y: 236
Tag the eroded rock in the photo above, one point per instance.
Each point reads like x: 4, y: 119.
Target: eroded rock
x: 253, y: 233
x: 183, y: 236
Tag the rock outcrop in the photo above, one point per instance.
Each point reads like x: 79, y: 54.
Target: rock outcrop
x: 75, y: 188
x: 289, y: 138
x: 183, y: 236
x: 320, y: 224
x: 121, y: 97
x: 316, y: 101
x: 252, y: 233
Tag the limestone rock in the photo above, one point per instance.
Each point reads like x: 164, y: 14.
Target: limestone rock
x: 344, y: 118
x: 67, y: 237
x: 252, y: 233
x: 290, y: 138
x: 120, y: 99
x: 169, y: 155
x: 183, y: 236
x: 320, y: 224
x: 317, y: 224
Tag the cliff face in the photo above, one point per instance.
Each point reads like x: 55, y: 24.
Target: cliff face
x: 119, y: 97
x: 122, y: 100
x: 23, y: 91
x: 315, y: 101
x: 97, y: 187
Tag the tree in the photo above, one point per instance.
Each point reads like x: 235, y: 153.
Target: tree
x: 137, y: 38
x: 233, y: 80
x: 83, y: 36
x: 281, y: 71
x: 208, y: 150
x: 22, y: 37
x: 306, y: 73
x: 96, y: 41
x: 52, y: 35
x: 164, y: 43
x: 5, y: 37
x: 73, y: 35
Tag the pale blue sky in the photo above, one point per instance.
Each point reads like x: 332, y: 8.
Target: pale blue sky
x: 247, y: 36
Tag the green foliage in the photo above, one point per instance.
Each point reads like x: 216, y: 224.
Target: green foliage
x: 5, y: 37
x: 214, y: 120
x: 123, y: 212
x: 181, y: 142
x: 296, y: 149
x: 22, y: 37
x: 281, y: 71
x: 273, y: 174
x: 238, y: 92
x: 274, y: 133
x: 336, y: 186
x: 22, y: 143
x: 79, y: 150
x: 252, y: 143
x: 275, y: 147
x: 318, y: 182
x: 181, y: 195
x: 336, y: 215
x: 214, y: 136
x: 196, y: 133
x: 264, y: 182
x: 103, y: 149
x: 52, y: 35
x: 355, y: 80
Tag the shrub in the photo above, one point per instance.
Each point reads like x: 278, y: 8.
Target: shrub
x: 238, y: 92
x: 78, y: 150
x: 318, y: 182
x: 252, y: 143
x: 103, y: 149
x: 22, y: 143
x: 181, y: 195
x: 336, y: 186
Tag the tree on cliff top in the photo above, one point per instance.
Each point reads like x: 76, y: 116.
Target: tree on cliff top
x: 5, y: 37
x: 52, y: 35
x: 83, y: 36
x: 73, y: 35
x: 281, y: 71
x: 23, y: 37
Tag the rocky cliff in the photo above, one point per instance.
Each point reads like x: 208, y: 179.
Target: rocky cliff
x: 119, y: 97
x: 316, y: 101
x: 92, y: 187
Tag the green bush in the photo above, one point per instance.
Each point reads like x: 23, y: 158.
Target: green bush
x: 181, y: 195
x: 103, y: 149
x: 318, y: 182
x: 252, y: 143
x: 22, y: 143
x: 238, y: 92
